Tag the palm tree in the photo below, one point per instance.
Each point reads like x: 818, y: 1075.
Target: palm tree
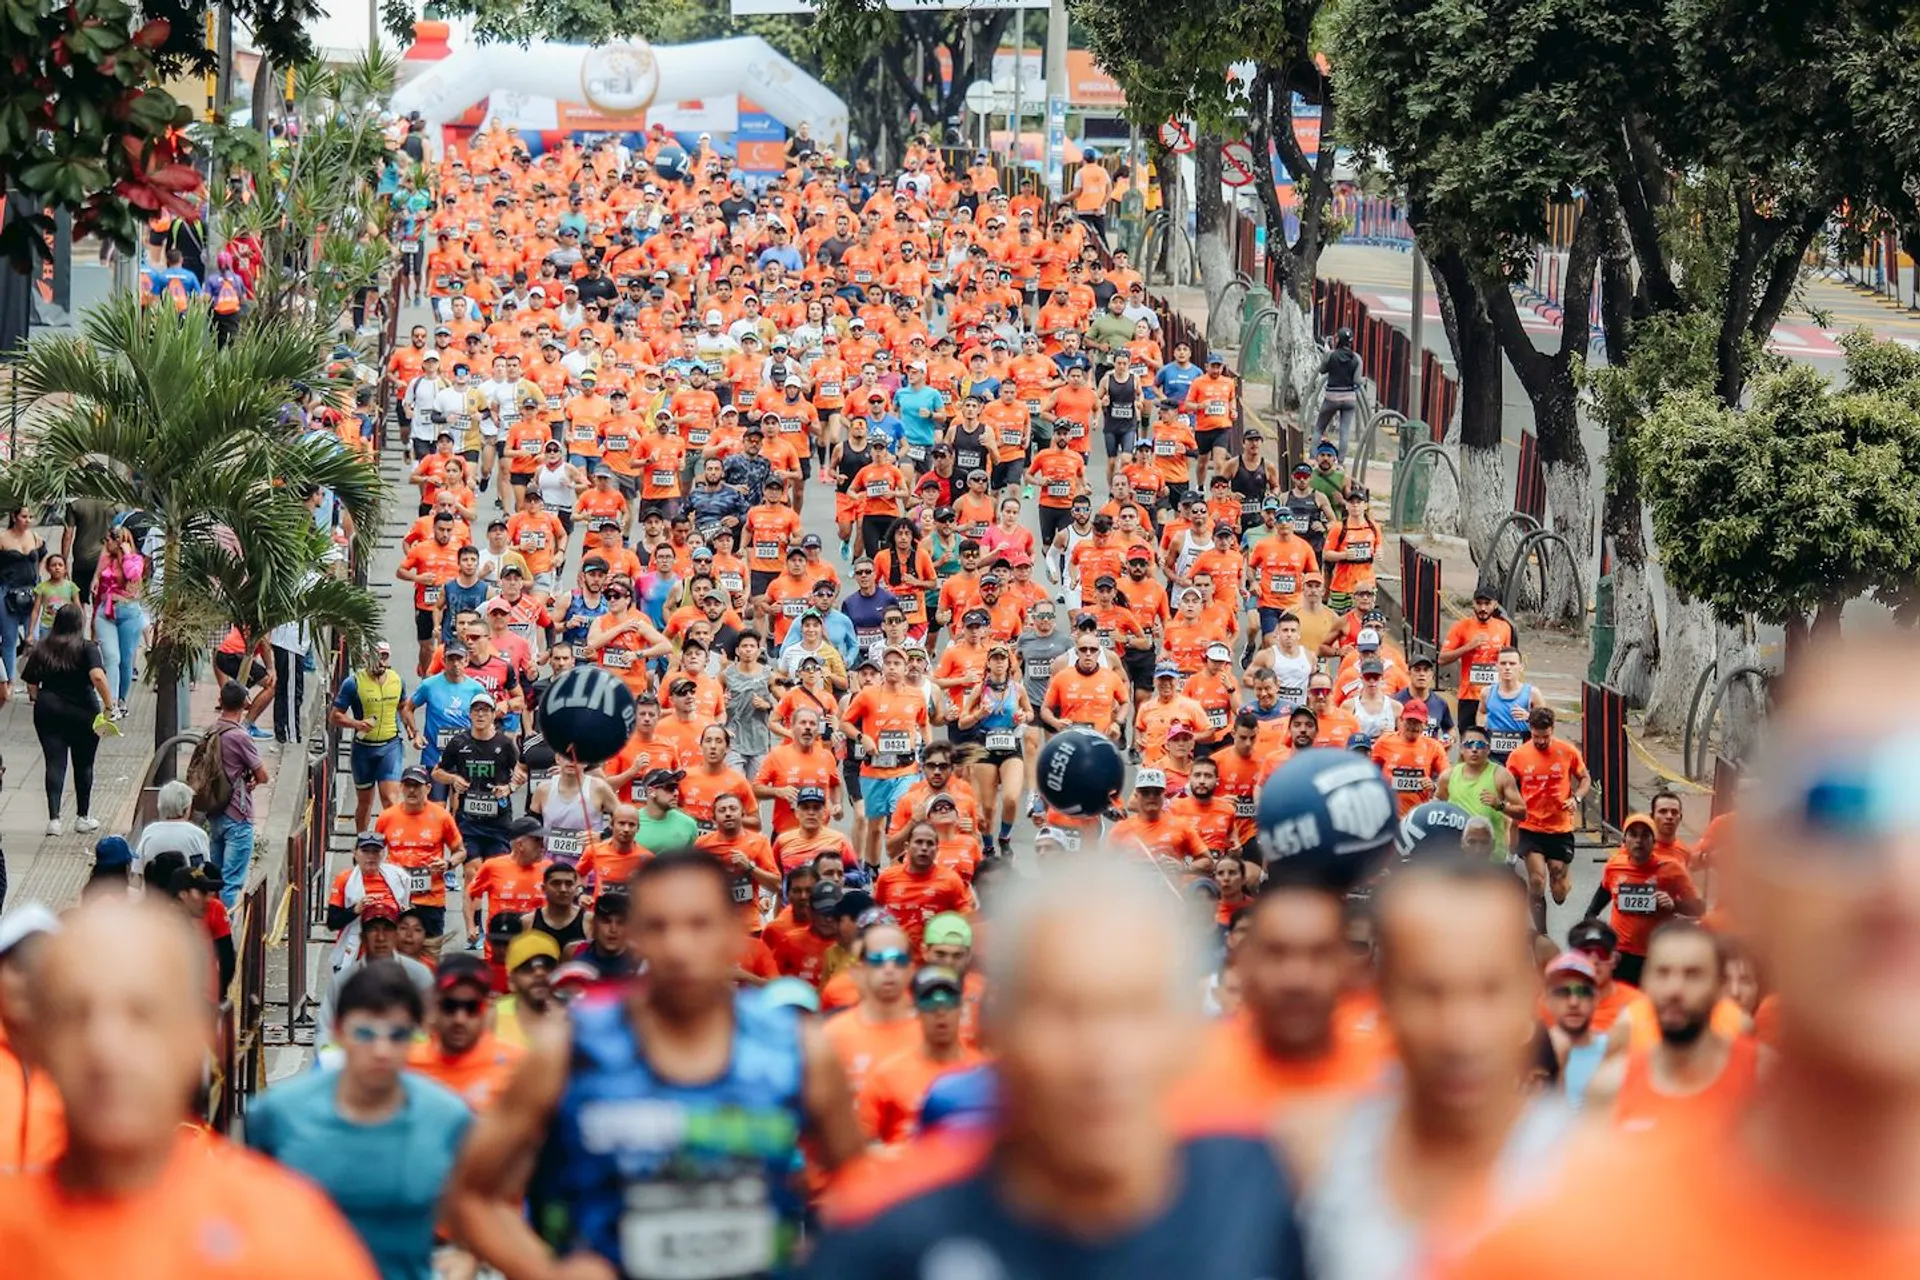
x: 145, y: 410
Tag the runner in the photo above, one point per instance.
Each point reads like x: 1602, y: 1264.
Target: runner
x: 708, y: 1052
x: 1553, y: 780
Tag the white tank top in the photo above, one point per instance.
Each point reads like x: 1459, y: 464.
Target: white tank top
x: 1074, y: 538
x: 1374, y: 724
x: 1189, y: 552
x: 1294, y: 673
x: 1353, y: 1233
x: 554, y: 487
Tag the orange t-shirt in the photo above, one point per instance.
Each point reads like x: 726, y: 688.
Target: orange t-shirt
x: 1089, y: 700
x: 890, y: 1100
x: 1721, y: 1214
x: 1635, y: 927
x: 1412, y: 768
x: 33, y: 1119
x: 477, y: 1075
x: 416, y: 839
x: 216, y: 1212
x: 913, y: 899
x: 1546, y: 780
x: 508, y: 888
x: 441, y: 563
x: 897, y: 723
x: 862, y: 1045
x: 1231, y: 1050
x: 606, y: 864
x: 788, y: 766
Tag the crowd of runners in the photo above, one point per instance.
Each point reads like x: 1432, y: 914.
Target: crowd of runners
x: 820, y: 970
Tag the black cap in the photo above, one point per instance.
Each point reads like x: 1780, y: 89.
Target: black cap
x: 934, y: 980
x: 416, y: 774
x: 976, y: 618
x: 825, y: 896
x: 810, y: 795
x: 855, y: 903
x: 525, y: 825
x: 1593, y: 935
x: 459, y: 968
x: 664, y: 778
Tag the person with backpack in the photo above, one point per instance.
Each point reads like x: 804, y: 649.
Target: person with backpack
x: 223, y: 772
x: 177, y: 284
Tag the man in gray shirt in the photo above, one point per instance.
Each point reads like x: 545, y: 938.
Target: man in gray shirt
x: 87, y: 521
x: 230, y: 828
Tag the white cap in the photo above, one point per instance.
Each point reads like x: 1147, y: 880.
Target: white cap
x: 1150, y: 778
x: 1367, y: 639
x: 1054, y: 834
x: 714, y: 317
x: 24, y: 922
x: 1217, y: 652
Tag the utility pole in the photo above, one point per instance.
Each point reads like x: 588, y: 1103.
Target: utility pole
x: 1056, y: 96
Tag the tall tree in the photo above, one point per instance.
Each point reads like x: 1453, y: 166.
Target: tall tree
x: 1177, y: 63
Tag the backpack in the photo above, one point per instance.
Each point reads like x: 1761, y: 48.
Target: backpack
x: 207, y: 771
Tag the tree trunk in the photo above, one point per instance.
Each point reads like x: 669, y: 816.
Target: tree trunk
x: 1686, y: 651
x: 169, y: 671
x: 1623, y: 534
x: 1210, y: 223
x: 1295, y: 358
x: 1477, y: 364
x: 1744, y: 709
x: 264, y: 94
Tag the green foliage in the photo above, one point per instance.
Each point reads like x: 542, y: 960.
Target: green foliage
x: 145, y: 410
x: 1804, y: 500
x: 1888, y: 367
x: 1486, y: 110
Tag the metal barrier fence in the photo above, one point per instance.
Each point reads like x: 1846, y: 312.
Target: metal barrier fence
x: 1382, y: 348
x: 239, y: 1068
x: 1603, y: 741
x: 1530, y: 483
x: 1420, y: 593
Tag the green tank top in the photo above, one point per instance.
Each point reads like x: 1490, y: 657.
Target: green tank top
x: 1480, y: 797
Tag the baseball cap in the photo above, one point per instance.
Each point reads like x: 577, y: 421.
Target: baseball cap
x: 1219, y: 653
x: 110, y: 852
x: 1414, y: 711
x: 458, y: 968
x: 976, y: 618
x: 525, y: 825
x: 1166, y: 669
x: 529, y: 946
x: 26, y: 921
x: 1573, y: 962
x: 825, y: 895
x: 415, y: 774
x: 1179, y: 729
x: 1372, y: 667
x: 1593, y: 935
x: 810, y: 795
x: 936, y: 985
x: 664, y: 778
x: 941, y: 800
x: 1638, y: 819
x: 1150, y: 780
x: 948, y: 929
x: 791, y: 993
x: 370, y: 840
x: 379, y: 909
x: 1367, y: 639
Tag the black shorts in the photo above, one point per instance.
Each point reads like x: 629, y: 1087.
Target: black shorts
x: 665, y: 508
x: 228, y: 665
x: 1117, y: 435
x: 1468, y: 713
x: 1207, y: 441
x: 423, y: 625
x: 757, y: 582
x: 433, y: 920
x: 482, y: 841
x: 850, y: 775
x: 1008, y: 474
x: 1554, y: 846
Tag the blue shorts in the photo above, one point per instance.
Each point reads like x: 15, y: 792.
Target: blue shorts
x: 378, y: 761
x: 1270, y: 620
x: 881, y: 796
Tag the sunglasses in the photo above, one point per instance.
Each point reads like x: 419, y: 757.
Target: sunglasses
x: 937, y: 1001
x: 881, y: 959
x: 362, y: 1033
x: 471, y: 1008
x: 1473, y: 744
x: 618, y: 595
x: 1573, y: 991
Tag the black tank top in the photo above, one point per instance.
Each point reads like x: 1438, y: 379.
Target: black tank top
x: 851, y: 462
x: 969, y: 450
x: 1123, y: 407
x: 1251, y: 484
x: 567, y: 936
x: 1304, y: 513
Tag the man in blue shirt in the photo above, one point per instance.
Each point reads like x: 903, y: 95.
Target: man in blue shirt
x: 920, y: 407
x: 378, y: 1139
x: 779, y: 250
x: 446, y: 696
x: 1177, y: 374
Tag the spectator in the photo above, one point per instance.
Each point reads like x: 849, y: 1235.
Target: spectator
x: 174, y: 829
x: 230, y: 825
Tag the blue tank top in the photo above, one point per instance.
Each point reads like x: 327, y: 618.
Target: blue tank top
x: 670, y: 1181
x: 1003, y: 706
x: 583, y: 615
x: 1506, y: 720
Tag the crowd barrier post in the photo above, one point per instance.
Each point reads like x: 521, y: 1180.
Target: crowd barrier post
x: 1603, y: 741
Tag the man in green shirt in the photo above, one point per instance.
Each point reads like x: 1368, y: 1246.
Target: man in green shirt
x: 664, y: 825
x: 1328, y: 478
x: 1110, y: 330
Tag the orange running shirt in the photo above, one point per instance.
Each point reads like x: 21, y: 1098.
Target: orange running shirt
x: 890, y: 1101
x: 1546, y: 781
x: 897, y: 724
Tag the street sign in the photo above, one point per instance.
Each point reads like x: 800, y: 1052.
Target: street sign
x: 981, y: 98
x: 1236, y: 164
x: 1174, y: 137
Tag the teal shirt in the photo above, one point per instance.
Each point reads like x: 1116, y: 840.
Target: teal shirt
x: 386, y: 1179
x: 662, y: 835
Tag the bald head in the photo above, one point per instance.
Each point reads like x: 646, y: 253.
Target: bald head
x: 123, y: 1023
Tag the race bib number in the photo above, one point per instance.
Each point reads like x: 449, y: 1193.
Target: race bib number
x: 829, y: 391
x: 480, y: 806
x: 1003, y: 740
x: 1636, y: 899
x: 742, y: 891
x: 879, y: 489
x: 1120, y: 412
x: 618, y: 444
x: 1216, y: 408
x: 1166, y: 448
x: 662, y: 478
x: 1039, y: 669
x: 1243, y: 806
x: 1059, y: 489
x: 1505, y: 743
x: 419, y: 881
x: 1301, y: 523
x: 553, y: 402
x: 617, y: 659
x: 863, y: 277
x: 895, y: 744
x: 1033, y: 404
x: 430, y: 596
x: 732, y: 582
x: 1217, y: 717
x: 793, y: 608
x: 967, y: 459
x: 746, y: 396
x: 1012, y: 438
x: 1283, y: 584
x: 583, y: 433
x: 1483, y: 673
x: 409, y: 246
x: 1409, y: 780
x: 1362, y: 552
x: 766, y: 551
x: 566, y: 844
x: 1070, y: 839
x: 535, y: 538
x: 443, y: 737
x: 699, y: 435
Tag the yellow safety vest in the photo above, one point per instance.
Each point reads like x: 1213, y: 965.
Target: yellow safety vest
x: 379, y: 702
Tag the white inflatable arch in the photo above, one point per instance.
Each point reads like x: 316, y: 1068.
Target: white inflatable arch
x: 623, y: 80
